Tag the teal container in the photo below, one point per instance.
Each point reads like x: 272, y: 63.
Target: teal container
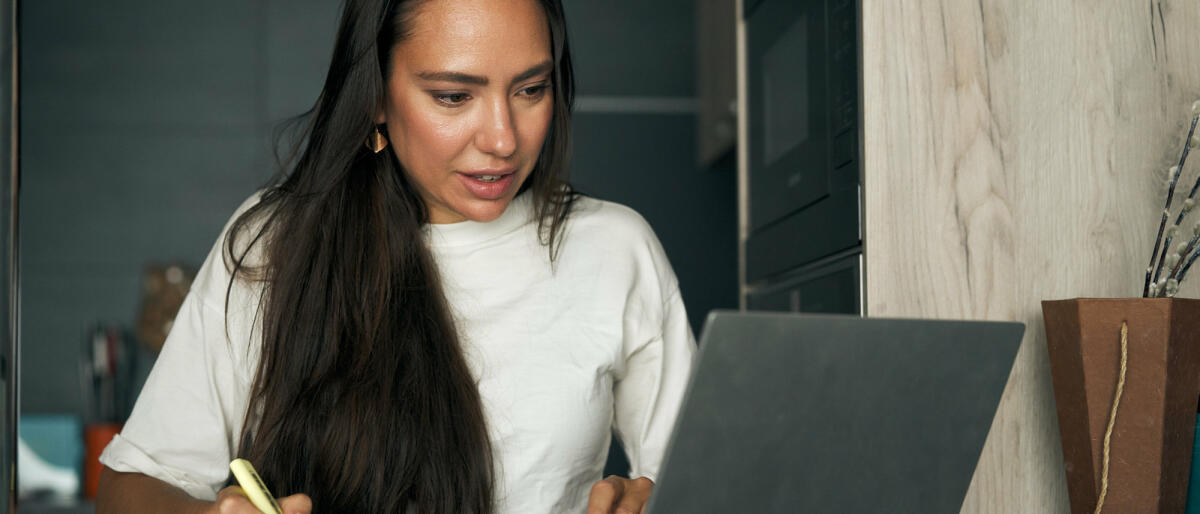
x: 57, y: 439
x: 1193, y: 496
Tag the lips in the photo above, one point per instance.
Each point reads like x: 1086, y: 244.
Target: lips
x: 483, y: 172
x: 489, y: 184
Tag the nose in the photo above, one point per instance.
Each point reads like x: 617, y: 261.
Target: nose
x: 498, y: 136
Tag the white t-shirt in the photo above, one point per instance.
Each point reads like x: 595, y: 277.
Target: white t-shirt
x: 563, y: 356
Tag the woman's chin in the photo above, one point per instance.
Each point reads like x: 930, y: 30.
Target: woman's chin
x: 477, y: 210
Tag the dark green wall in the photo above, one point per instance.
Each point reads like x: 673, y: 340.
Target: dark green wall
x: 146, y: 122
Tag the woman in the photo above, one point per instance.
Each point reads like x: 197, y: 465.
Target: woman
x: 429, y: 322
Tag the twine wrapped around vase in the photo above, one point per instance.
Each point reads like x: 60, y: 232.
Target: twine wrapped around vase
x: 1112, y: 417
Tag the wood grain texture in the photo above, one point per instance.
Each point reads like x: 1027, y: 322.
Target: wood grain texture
x: 1014, y: 152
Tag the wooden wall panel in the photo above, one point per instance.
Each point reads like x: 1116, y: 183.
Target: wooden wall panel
x: 1014, y: 152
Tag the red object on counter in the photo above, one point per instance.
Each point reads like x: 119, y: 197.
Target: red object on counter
x: 95, y: 437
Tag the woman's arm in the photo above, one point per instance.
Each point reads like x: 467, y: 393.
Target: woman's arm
x: 135, y: 493
x: 191, y: 407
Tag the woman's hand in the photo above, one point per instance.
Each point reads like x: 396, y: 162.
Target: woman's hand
x: 232, y: 500
x: 616, y: 495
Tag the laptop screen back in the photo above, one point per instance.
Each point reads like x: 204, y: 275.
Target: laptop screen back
x: 798, y: 413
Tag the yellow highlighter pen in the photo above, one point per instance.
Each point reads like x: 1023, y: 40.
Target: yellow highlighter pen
x: 255, y: 489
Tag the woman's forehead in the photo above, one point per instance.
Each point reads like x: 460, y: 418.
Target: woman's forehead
x: 492, y: 37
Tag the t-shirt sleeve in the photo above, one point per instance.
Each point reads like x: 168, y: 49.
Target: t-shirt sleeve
x: 181, y: 430
x: 186, y: 422
x: 649, y: 387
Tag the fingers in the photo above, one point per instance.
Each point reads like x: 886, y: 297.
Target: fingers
x: 296, y: 504
x: 616, y: 495
x: 605, y: 494
x: 637, y: 495
x: 233, y: 500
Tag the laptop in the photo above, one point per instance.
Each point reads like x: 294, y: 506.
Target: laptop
x: 794, y: 413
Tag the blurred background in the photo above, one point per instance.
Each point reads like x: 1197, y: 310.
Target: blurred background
x: 144, y: 123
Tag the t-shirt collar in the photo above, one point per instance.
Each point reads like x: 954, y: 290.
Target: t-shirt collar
x: 517, y: 214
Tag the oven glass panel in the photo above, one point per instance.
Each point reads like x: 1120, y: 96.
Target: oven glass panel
x: 786, y: 64
x: 785, y: 92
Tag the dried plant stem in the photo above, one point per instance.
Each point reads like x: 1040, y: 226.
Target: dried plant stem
x: 1162, y: 225
x: 1175, y: 272
x: 1162, y: 255
x: 1183, y: 272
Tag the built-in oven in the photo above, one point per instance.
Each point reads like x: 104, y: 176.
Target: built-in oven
x: 804, y: 193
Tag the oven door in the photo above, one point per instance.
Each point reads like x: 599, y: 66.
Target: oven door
x: 787, y: 62
x: 802, y: 88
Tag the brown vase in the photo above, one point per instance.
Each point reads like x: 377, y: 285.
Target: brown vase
x: 1151, y: 445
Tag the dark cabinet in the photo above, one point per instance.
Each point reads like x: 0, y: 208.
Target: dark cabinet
x: 830, y: 287
x: 804, y: 201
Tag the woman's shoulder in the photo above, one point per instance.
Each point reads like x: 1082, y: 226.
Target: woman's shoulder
x: 237, y: 242
x: 606, y: 219
x: 240, y: 238
x: 615, y: 238
x: 610, y: 230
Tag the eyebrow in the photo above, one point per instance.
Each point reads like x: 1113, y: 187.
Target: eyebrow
x: 464, y: 78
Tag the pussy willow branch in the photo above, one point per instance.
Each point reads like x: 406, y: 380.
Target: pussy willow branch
x: 1175, y: 274
x: 1186, y: 267
x: 1191, y: 194
x: 1157, y: 257
x: 1163, y: 223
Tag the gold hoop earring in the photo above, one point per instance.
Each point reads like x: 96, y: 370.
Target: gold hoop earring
x: 376, y: 142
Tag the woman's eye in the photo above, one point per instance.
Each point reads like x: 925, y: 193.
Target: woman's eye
x: 534, y: 91
x: 451, y: 99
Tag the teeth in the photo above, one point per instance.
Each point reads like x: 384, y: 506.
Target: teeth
x: 487, y: 178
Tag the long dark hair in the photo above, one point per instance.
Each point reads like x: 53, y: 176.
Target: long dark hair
x: 362, y: 396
